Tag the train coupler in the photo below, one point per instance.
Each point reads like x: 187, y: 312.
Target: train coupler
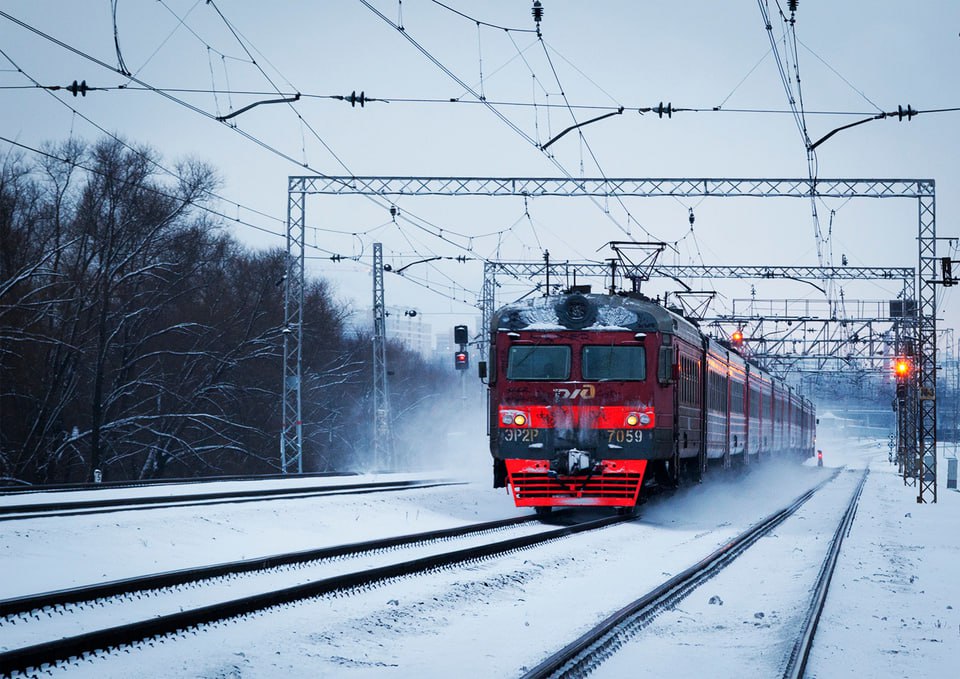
x: 574, y: 463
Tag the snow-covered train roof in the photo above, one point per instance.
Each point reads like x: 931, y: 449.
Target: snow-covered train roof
x: 591, y: 312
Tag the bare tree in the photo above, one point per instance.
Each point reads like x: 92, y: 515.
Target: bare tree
x: 137, y: 338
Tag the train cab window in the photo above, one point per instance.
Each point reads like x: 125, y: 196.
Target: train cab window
x: 614, y: 363
x: 532, y: 363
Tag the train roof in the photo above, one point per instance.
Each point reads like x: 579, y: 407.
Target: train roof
x: 591, y: 312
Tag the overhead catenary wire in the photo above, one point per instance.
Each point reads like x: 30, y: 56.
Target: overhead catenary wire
x: 169, y: 172
x: 138, y: 152
x: 406, y: 35
x: 122, y: 67
x: 521, y: 103
x: 416, y: 281
x: 596, y: 162
x: 469, y: 102
x: 303, y: 121
x: 796, y: 105
x: 483, y: 23
x: 376, y: 199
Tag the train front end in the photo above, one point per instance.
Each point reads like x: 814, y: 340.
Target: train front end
x: 575, y: 402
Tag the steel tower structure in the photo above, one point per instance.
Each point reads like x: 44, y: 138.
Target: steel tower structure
x: 382, y: 432
x: 291, y: 433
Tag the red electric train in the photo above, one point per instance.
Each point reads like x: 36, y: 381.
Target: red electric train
x: 592, y: 396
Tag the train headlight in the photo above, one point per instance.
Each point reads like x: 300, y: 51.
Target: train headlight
x: 513, y: 418
x: 644, y: 419
x: 633, y: 420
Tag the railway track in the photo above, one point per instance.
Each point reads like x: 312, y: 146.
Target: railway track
x: 14, y: 487
x: 797, y: 662
x: 106, y: 505
x: 586, y: 653
x: 48, y: 629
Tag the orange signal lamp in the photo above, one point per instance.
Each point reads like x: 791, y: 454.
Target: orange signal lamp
x: 902, y: 367
x: 737, y: 336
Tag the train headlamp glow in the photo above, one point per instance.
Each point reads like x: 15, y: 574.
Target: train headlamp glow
x: 637, y: 419
x: 513, y: 418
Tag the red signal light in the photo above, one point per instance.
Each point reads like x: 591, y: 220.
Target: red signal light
x: 737, y: 337
x: 902, y: 367
x: 461, y: 360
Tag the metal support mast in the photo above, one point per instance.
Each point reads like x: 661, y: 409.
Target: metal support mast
x: 291, y: 435
x: 927, y: 349
x: 382, y: 435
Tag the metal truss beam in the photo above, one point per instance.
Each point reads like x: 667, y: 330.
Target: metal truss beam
x: 622, y: 187
x: 600, y: 269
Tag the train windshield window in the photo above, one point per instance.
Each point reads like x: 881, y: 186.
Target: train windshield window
x: 614, y: 363
x: 538, y: 363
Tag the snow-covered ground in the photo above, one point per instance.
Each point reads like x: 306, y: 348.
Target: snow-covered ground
x: 892, y: 610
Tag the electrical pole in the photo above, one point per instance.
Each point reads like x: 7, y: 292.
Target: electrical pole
x: 382, y: 435
x: 291, y: 434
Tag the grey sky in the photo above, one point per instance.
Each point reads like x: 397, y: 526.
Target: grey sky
x: 853, y: 57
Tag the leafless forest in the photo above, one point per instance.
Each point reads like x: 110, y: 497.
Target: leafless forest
x: 139, y: 338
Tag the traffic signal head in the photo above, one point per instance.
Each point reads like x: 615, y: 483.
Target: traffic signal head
x: 460, y: 334
x: 737, y: 337
x: 461, y: 360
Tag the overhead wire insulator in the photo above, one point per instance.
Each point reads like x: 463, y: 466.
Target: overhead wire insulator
x: 82, y: 88
x: 909, y: 112
x: 353, y: 99
x: 661, y: 109
x: 537, y: 13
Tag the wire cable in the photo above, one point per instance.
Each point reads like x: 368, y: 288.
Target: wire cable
x: 478, y: 22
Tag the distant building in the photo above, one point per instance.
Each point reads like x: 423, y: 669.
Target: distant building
x: 406, y: 325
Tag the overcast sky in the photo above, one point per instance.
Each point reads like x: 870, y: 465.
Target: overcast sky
x: 855, y: 59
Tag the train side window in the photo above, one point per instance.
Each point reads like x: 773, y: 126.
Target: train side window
x: 533, y: 363
x: 614, y: 363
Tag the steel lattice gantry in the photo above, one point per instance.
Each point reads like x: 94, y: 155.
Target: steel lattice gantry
x: 922, y: 190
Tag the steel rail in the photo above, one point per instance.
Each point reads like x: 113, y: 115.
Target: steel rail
x: 37, y: 656
x: 106, y: 505
x: 583, y: 654
x: 797, y: 662
x: 26, y: 488
x: 76, y: 595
